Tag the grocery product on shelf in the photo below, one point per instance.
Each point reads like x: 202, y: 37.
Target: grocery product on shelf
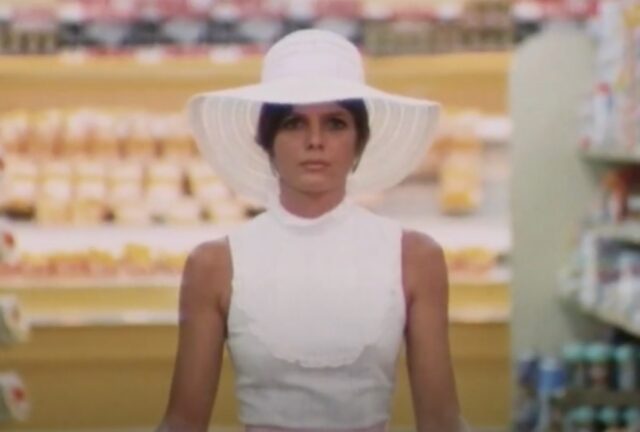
x: 132, y: 260
x: 458, y: 159
x: 525, y: 403
x: 611, y: 114
x: 603, y: 279
x: 188, y: 26
x: 592, y: 386
x: 540, y: 381
x: 89, y: 166
x: 460, y: 177
x: 14, y: 327
x: 471, y: 261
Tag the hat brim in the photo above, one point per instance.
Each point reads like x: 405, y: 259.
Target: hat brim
x: 224, y: 126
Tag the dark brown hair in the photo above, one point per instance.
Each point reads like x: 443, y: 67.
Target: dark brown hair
x: 272, y: 116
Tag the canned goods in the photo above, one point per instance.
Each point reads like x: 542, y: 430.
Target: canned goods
x: 583, y: 419
x: 552, y: 377
x: 575, y: 362
x: 599, y: 357
x: 609, y: 417
x: 632, y: 419
x: 626, y: 357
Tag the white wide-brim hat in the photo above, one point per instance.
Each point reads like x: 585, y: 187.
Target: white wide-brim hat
x: 308, y: 67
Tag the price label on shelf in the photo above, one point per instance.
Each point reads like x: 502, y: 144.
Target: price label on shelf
x: 14, y: 401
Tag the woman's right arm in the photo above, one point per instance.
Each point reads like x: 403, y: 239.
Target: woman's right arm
x: 204, y: 294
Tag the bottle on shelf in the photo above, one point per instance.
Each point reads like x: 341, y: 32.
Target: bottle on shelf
x: 582, y: 419
x: 575, y: 362
x: 552, y: 384
x: 599, y: 357
x: 627, y: 365
x: 609, y: 419
x: 632, y: 419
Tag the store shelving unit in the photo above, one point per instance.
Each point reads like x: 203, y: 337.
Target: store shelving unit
x: 607, y: 315
x: 611, y: 155
x: 551, y: 187
x: 599, y: 398
x: 628, y: 232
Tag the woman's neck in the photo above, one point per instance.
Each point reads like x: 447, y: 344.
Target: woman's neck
x: 310, y: 205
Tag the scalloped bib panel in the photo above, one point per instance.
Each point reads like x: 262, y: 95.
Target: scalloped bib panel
x: 316, y: 318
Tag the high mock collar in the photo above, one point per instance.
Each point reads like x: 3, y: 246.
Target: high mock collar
x: 331, y: 217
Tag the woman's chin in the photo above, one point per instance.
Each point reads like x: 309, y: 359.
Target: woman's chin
x: 315, y: 187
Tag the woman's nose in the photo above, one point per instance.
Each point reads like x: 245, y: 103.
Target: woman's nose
x: 315, y: 135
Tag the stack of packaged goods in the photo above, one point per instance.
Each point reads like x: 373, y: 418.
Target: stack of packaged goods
x: 589, y: 387
x: 603, y: 277
x: 604, y: 271
x: 613, y: 112
x: 98, y: 167
x: 188, y: 26
x: 61, y: 170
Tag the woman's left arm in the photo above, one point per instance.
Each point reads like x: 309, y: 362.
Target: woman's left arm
x: 433, y: 389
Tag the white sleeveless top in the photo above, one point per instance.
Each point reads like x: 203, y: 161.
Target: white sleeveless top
x: 316, y: 318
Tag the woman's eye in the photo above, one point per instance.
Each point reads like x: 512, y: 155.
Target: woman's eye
x: 337, y: 123
x: 291, y: 123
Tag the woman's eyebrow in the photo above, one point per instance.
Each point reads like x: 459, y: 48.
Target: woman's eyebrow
x: 335, y: 113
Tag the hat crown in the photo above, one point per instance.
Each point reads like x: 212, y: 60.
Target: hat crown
x: 313, y: 53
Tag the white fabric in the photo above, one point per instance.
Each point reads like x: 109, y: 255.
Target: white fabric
x: 316, y: 318
x: 305, y: 67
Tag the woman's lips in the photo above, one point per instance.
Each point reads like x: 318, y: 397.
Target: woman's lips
x: 314, y: 165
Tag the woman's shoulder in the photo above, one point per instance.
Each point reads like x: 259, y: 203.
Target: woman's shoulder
x: 208, y: 255
x: 207, y: 272
x: 423, y: 265
x: 420, y: 246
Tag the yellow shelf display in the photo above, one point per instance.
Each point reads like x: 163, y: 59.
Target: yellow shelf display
x: 458, y: 81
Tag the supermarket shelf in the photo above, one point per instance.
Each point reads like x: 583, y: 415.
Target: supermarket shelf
x: 450, y: 233
x: 466, y: 315
x: 574, y: 398
x: 606, y: 316
x: 479, y: 315
x: 105, y: 319
x: 612, y: 155
x: 625, y: 232
x: 499, y: 276
x: 10, y: 283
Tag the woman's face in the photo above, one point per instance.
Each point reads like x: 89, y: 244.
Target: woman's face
x: 315, y: 148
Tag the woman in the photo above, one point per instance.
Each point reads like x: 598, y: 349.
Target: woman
x: 314, y: 296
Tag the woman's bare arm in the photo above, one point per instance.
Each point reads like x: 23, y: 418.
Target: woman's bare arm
x: 433, y: 390
x: 204, y: 295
